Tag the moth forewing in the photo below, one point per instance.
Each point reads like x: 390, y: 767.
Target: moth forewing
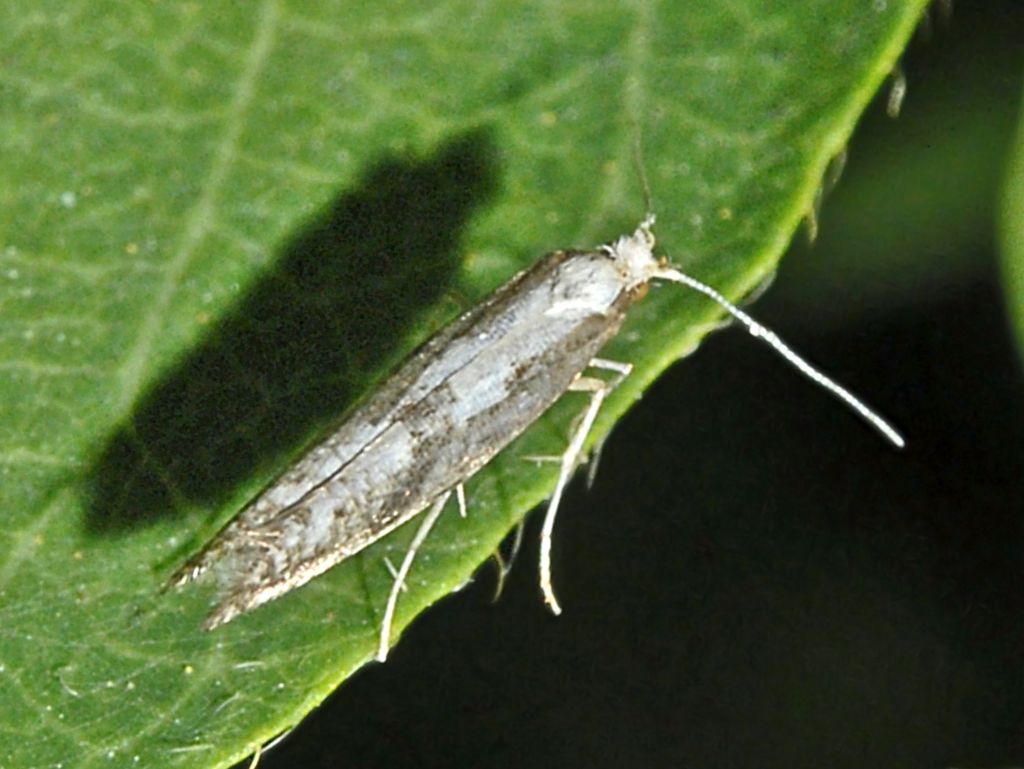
x: 441, y: 416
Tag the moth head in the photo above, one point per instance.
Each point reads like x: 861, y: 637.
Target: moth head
x: 634, y: 254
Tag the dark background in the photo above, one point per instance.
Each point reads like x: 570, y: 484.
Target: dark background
x: 755, y: 579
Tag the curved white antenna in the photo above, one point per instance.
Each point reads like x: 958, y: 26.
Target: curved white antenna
x: 799, y: 363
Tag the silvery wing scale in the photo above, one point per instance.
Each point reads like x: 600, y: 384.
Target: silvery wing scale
x: 440, y: 417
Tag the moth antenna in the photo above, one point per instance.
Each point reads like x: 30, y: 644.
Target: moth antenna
x: 794, y: 359
x: 641, y: 170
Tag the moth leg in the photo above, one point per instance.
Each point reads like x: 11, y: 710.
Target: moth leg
x: 598, y: 390
x: 460, y: 495
x: 542, y: 458
x: 504, y: 565
x: 403, y: 572
x: 593, y: 461
x: 393, y: 572
x: 622, y: 370
x: 257, y: 754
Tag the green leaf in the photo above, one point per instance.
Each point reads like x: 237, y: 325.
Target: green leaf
x: 1011, y: 231
x: 920, y: 194
x: 222, y: 223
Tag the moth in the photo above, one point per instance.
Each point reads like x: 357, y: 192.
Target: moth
x: 445, y: 413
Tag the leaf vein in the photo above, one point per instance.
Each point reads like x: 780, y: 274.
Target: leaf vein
x: 201, y: 217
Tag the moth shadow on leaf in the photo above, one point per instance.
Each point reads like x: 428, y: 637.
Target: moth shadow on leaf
x: 291, y: 356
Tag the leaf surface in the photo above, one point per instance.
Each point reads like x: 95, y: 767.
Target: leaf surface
x: 222, y: 223
x: 1011, y: 234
